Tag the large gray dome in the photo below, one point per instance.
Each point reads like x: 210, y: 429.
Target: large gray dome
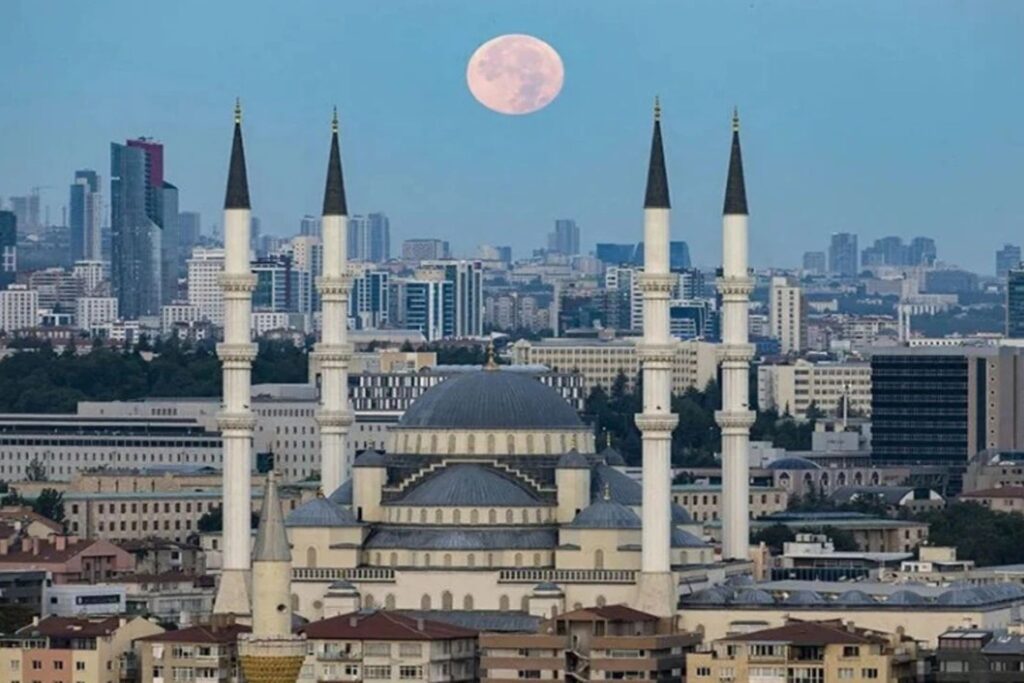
x: 468, y: 485
x: 490, y: 399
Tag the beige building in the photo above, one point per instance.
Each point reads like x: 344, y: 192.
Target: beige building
x: 207, y: 653
x: 600, y: 362
x: 792, y: 388
x: 72, y: 650
x: 806, y: 651
x: 1002, y: 499
x: 994, y: 469
x: 702, y: 501
x: 386, y: 646
x: 589, y: 644
x: 787, y: 315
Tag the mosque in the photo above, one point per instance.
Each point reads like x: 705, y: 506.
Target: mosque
x: 494, y: 498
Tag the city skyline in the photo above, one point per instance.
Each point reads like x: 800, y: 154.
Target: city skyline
x: 824, y: 161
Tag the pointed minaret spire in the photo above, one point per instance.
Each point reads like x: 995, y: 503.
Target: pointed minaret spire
x: 237, y: 196
x: 271, y: 539
x: 735, y: 188
x: 334, y: 193
x: 657, y: 178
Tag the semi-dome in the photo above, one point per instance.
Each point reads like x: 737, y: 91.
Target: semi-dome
x: 573, y: 460
x: 606, y: 514
x: 320, y: 512
x: 471, y: 485
x: 490, y: 399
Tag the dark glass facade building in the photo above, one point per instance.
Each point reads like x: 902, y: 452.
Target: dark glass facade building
x: 1015, y: 303
x: 8, y: 247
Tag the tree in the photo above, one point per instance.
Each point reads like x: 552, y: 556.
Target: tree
x: 50, y: 504
x: 213, y: 520
x: 36, y: 471
x: 978, y: 533
x: 774, y: 536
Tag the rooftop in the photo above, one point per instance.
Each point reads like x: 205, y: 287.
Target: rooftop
x: 375, y: 625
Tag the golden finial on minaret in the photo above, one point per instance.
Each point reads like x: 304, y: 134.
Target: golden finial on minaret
x: 238, y: 110
x: 334, y: 121
x: 607, y: 439
x: 607, y: 495
x: 491, y: 364
x: 319, y: 491
x: 735, y: 120
x: 657, y: 108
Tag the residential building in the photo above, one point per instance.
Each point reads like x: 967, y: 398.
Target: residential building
x: 206, y: 652
x: 425, y: 249
x: 85, y: 217
x: 368, y: 303
x: 703, y: 501
x: 814, y: 262
x: 74, y: 650
x: 565, y: 240
x: 95, y: 275
x: 369, y: 238
x: 8, y: 247
x: 806, y: 651
x: 172, y: 597
x: 968, y: 654
x: 946, y: 404
x: 831, y: 387
x: 172, y: 316
x: 1015, y: 301
x: 1002, y: 499
x: 994, y: 469
x: 601, y: 362
x: 91, y: 312
x: 204, y: 288
x: 375, y: 645
x: 68, y: 559
x: 19, y: 308
x: 467, y: 282
x: 605, y: 642
x: 58, y: 289
x: 310, y: 226
x: 787, y: 311
x: 843, y: 254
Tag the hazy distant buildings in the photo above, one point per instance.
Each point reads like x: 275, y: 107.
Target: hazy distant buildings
x: 814, y: 262
x: 1015, y: 302
x: 1006, y: 258
x: 891, y: 251
x: 615, y: 254
x: 19, y: 308
x: 204, y: 289
x: 26, y: 209
x: 425, y: 249
x: 8, y: 247
x: 842, y: 254
x: 788, y: 315
x: 143, y: 214
x: 369, y: 238
x: 189, y: 230
x: 309, y: 226
x: 565, y: 239
x: 467, y: 280
x: 85, y: 217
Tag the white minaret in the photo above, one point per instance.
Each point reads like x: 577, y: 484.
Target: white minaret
x: 236, y: 353
x: 735, y: 417
x: 333, y: 352
x: 656, y: 587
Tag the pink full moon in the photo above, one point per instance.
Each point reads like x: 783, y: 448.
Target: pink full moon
x: 515, y: 74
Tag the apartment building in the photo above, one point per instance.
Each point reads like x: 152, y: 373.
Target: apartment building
x: 809, y: 651
x: 589, y: 644
x: 207, y: 653
x: 68, y: 559
x: 792, y: 388
x: 702, y: 501
x: 787, y: 315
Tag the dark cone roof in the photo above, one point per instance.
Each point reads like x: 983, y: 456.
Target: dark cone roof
x: 237, y: 196
x: 334, y: 193
x: 657, y: 177
x: 735, y: 188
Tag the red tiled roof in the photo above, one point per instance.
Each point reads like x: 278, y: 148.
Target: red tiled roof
x: 71, y: 627
x: 382, y: 626
x: 1000, y: 492
x: 22, y: 514
x: 610, y: 613
x: 200, y: 634
x: 48, y: 552
x: 807, y: 633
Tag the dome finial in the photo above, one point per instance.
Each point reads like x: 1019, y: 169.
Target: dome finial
x: 607, y: 494
x: 607, y: 439
x: 491, y: 364
x: 334, y: 121
x: 735, y: 120
x: 238, y: 110
x: 657, y: 108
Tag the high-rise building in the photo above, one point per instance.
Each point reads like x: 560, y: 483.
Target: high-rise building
x: 95, y: 276
x: 8, y: 247
x: 204, y: 289
x: 565, y: 239
x: 255, y: 238
x: 189, y: 230
x: 467, y: 278
x: 369, y: 238
x: 310, y: 226
x: 932, y: 404
x: 27, y: 210
x: 93, y: 311
x: 425, y: 249
x: 427, y: 305
x: 19, y: 308
x: 922, y: 252
x: 891, y: 251
x: 1015, y: 302
x: 368, y: 303
x: 814, y: 262
x: 788, y: 315
x: 842, y: 254
x: 678, y: 255
x: 1006, y: 258
x: 138, y: 195
x: 615, y: 254
x: 278, y: 284
x: 85, y: 217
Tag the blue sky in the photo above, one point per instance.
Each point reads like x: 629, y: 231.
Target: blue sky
x: 875, y: 116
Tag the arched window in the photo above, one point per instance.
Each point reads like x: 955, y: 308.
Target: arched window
x: 467, y: 602
x: 457, y: 517
x: 474, y: 516
x: 451, y: 443
x: 526, y: 516
x: 419, y: 443
x: 423, y: 515
x: 389, y: 601
x: 519, y: 560
x: 598, y: 559
x: 447, y: 559
x: 524, y: 603
x: 601, y: 601
x: 503, y: 603
x: 490, y: 444
x: 471, y: 560
x: 471, y: 444
x: 438, y: 516
x: 874, y: 478
x: 529, y: 443
x: 408, y: 514
x: 368, y: 602
x: 536, y: 559
x: 426, y: 559
x: 425, y: 602
x: 376, y: 559
x: 538, y: 515
x: 446, y: 600
x: 311, y: 557
x: 858, y: 478
x: 547, y: 443
x: 492, y: 516
x: 393, y: 559
x: 510, y: 444
x: 508, y: 516
x: 295, y: 602
x: 433, y: 443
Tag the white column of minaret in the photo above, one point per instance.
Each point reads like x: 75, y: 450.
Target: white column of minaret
x: 656, y: 352
x: 236, y: 420
x: 333, y: 352
x: 735, y: 417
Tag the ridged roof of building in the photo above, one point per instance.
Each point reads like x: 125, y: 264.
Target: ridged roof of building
x: 468, y: 484
x: 490, y: 399
x: 373, y: 625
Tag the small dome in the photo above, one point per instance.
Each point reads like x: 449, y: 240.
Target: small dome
x: 572, y: 461
x: 370, y: 458
x: 855, y: 597
x: 905, y: 598
x: 341, y: 587
x: 752, y: 596
x: 343, y: 494
x: 803, y: 597
x: 490, y: 399
x: 680, y: 515
x: 547, y: 587
x: 320, y: 512
x: 606, y: 514
x: 612, y: 457
x: 793, y: 463
x: 684, y: 539
x: 470, y: 485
